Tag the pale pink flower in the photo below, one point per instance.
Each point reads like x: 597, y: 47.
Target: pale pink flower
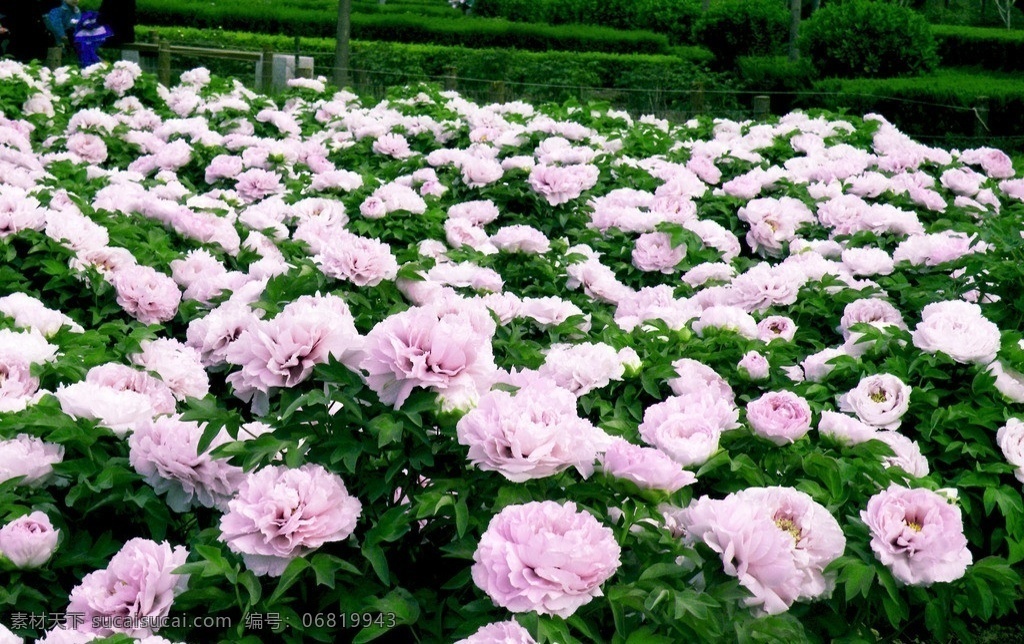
x: 137, y: 583
x: 478, y: 172
x: 959, y: 330
x: 874, y: 311
x: 907, y: 453
x: 460, y: 232
x: 647, y: 467
x: 30, y: 313
x: 255, y: 184
x: 561, y: 184
x: 727, y: 318
x: 688, y: 428
x: 165, y: 453
x: 817, y: 366
x: 780, y: 416
x: 962, y: 181
x: 419, y: 348
x: 654, y: 303
x: 868, y: 261
x: 1009, y: 382
x: 88, y: 147
x: 582, y: 368
x: 282, y: 513
x: 28, y: 541
x: 393, y: 145
x: 520, y: 238
x: 755, y: 364
x: 763, y: 286
x: 545, y: 557
x: 119, y: 377
x: 776, y: 327
x: 28, y: 457
x: 477, y: 213
x: 918, y: 534
x: 18, y: 387
x: 147, y: 295
x: 995, y: 163
x: 282, y: 352
x: 548, y: 311
x: 655, y: 252
x: 935, y: 249
x: 395, y: 197
x: 699, y: 379
x: 845, y: 429
x: 773, y: 222
x: 343, y: 180
x: 879, y: 400
x: 178, y: 365
x: 360, y: 260
x: 118, y: 410
x: 1010, y: 439
x: 508, y: 632
x: 533, y: 433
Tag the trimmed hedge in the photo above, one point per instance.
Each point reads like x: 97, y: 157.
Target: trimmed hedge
x: 989, y: 48
x: 941, y: 102
x: 460, y: 31
x: 675, y: 18
x: 641, y: 82
x: 733, y: 28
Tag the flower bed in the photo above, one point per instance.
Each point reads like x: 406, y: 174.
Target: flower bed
x: 312, y: 370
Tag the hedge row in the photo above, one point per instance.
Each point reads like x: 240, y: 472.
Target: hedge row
x: 459, y: 31
x: 524, y: 75
x: 989, y: 48
x: 937, y: 105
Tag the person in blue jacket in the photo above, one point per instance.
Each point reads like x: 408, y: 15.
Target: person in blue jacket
x: 62, y: 20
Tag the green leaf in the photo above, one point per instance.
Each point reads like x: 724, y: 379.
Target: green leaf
x: 288, y: 578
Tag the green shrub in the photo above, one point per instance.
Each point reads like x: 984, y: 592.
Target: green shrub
x: 938, y: 108
x: 777, y: 75
x: 988, y: 48
x: 674, y: 18
x: 867, y: 38
x: 411, y: 28
x: 733, y: 28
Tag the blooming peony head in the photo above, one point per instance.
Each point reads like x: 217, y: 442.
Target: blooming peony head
x: 918, y: 534
x: 282, y: 513
x: 545, y: 557
x: 29, y: 540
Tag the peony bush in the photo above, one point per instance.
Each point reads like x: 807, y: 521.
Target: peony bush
x: 313, y: 369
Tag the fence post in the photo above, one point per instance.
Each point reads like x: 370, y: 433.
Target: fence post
x: 266, y: 69
x: 163, y: 63
x: 762, y: 107
x: 697, y: 102
x: 53, y: 57
x: 981, y: 109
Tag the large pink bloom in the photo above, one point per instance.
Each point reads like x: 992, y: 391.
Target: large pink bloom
x: 147, y: 295
x: 420, y: 348
x: 282, y: 352
x: 776, y: 541
x: 780, y: 416
x: 137, y: 583
x: 533, y: 433
x: 545, y: 557
x: 282, y: 513
x: 165, y: 452
x: 560, y: 184
x: 918, y: 534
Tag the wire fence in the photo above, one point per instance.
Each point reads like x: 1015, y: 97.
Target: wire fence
x: 671, y: 103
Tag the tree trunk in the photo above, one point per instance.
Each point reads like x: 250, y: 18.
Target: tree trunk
x: 342, y: 49
x: 795, y: 7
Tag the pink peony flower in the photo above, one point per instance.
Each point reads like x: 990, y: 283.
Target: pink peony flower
x: 870, y: 310
x: 509, y: 632
x: 918, y: 534
x: 698, y: 379
x: 213, y: 334
x: 533, y: 433
x: 362, y: 261
x: 582, y: 368
x: 165, y: 453
x: 647, y: 467
x: 775, y: 541
x: 879, y: 400
x: 755, y: 364
x: 255, y: 184
x: 29, y: 540
x: 477, y: 213
x: 118, y: 377
x: 845, y: 429
x: 906, y: 453
x: 419, y: 348
x: 1010, y: 439
x: 780, y: 416
x: 776, y: 327
x: 545, y: 557
x: 88, y: 147
x: 282, y: 352
x: 561, y: 184
x: 136, y: 584
x: 726, y: 318
x: 996, y: 163
x: 520, y: 239
x: 282, y: 513
x: 688, y: 427
x: 147, y: 295
x: 28, y: 457
x: 959, y: 330
x: 118, y: 410
x: 654, y: 252
x: 179, y: 367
